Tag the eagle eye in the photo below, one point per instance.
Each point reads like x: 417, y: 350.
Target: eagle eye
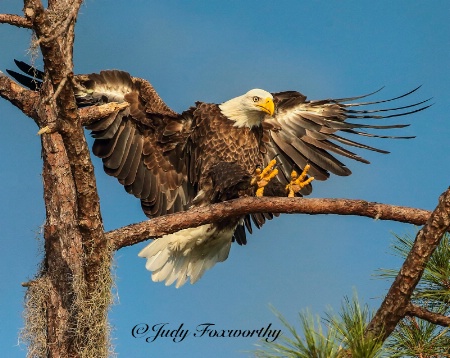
x: 256, y: 99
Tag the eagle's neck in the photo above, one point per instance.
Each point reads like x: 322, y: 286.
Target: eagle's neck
x: 243, y: 116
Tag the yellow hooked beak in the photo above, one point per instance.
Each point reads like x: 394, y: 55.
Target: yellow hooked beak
x: 267, y: 105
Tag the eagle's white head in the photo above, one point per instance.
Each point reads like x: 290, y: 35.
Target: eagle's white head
x: 249, y: 109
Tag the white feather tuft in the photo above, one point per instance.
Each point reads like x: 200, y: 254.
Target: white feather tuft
x: 187, y: 253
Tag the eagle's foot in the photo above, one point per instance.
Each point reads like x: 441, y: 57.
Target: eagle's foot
x: 262, y: 177
x: 298, y: 182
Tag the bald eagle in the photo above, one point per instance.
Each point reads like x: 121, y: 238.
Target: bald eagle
x: 216, y: 152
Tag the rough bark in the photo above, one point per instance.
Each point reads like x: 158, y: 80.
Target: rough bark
x: 63, y: 247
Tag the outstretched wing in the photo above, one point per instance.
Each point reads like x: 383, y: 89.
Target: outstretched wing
x: 304, y: 132
x: 143, y: 145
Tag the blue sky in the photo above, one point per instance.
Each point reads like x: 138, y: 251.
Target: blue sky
x: 212, y: 51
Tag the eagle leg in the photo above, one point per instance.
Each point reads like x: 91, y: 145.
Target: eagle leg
x: 262, y: 177
x: 298, y: 181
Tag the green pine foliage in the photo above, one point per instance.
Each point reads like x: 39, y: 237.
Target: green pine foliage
x: 415, y: 337
x: 350, y: 324
x: 342, y: 335
x: 338, y: 336
x: 313, y: 343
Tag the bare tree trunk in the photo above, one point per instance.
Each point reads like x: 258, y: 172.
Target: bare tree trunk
x: 73, y: 289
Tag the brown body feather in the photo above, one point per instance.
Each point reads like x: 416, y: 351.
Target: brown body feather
x: 216, y: 140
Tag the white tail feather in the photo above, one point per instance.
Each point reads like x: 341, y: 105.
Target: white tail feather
x: 187, y: 253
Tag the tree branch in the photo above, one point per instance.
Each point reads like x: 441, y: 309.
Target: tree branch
x: 15, y: 20
x: 422, y: 313
x: 394, y: 306
x: 167, y: 224
x: 89, y: 115
x: 22, y: 98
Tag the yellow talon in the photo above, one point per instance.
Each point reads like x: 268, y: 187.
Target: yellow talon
x: 260, y: 191
x: 298, y: 182
x: 262, y: 177
x: 269, y: 168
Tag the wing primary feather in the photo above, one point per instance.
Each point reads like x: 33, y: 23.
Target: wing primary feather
x: 356, y: 144
x: 317, y: 172
x: 154, y: 189
x: 104, y: 123
x: 159, y: 206
x: 103, y: 148
x: 385, y: 109
x: 391, y: 115
x: 358, y: 125
x: 127, y: 158
x: 29, y: 70
x: 248, y: 224
x: 299, y: 160
x: 239, y: 235
x: 136, y: 160
x: 120, y: 149
x: 373, y: 102
x: 354, y: 98
x: 375, y: 135
x: 328, y: 145
x: 136, y: 187
x: 146, y: 184
x: 321, y: 158
x: 258, y: 220
x: 110, y: 131
x: 26, y: 81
